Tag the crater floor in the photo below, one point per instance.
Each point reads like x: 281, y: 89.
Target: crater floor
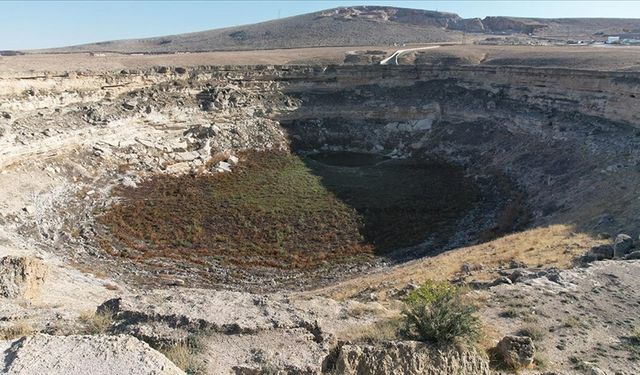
x: 289, y: 212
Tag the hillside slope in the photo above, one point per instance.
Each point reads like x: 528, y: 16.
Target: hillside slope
x: 361, y: 26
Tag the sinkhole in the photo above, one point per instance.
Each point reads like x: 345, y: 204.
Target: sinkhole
x: 290, y: 211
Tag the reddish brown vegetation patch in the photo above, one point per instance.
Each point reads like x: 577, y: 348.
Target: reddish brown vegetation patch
x: 271, y: 211
x: 279, y: 210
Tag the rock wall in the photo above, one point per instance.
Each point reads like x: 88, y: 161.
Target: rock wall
x: 409, y: 358
x: 569, y: 139
x: 21, y: 277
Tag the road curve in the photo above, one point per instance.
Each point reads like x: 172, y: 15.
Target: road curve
x: 393, y: 59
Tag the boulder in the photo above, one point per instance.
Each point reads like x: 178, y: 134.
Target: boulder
x: 130, y: 104
x: 21, y: 277
x: 514, y: 263
x: 186, y: 156
x: 521, y: 275
x: 622, y: 245
x: 222, y: 166
x: 600, y: 252
x: 501, y: 280
x: 129, y: 182
x: 633, y: 255
x: 407, y: 358
x: 233, y: 160
x: 516, y: 351
x: 178, y: 168
x: 76, y: 354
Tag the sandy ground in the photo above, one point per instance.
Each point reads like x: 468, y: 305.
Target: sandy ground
x: 606, y: 58
x: 10, y: 65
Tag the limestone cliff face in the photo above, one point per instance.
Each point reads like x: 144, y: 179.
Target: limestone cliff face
x: 566, y: 137
x: 569, y: 138
x: 408, y: 358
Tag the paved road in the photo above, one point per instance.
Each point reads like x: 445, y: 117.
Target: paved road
x: 393, y: 59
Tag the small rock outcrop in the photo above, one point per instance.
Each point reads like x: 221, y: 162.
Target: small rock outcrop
x: 21, y: 277
x: 516, y: 351
x: 407, y: 358
x: 600, y: 252
x: 622, y: 245
x: 98, y: 355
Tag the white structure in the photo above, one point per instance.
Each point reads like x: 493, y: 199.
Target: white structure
x: 613, y: 40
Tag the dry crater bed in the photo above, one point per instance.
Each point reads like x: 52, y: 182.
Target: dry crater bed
x: 272, y: 219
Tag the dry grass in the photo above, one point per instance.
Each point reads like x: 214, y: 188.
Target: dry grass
x: 361, y: 309
x: 553, y: 246
x: 535, y: 332
x: 184, y: 355
x: 18, y: 329
x: 94, y: 323
x: 383, y: 330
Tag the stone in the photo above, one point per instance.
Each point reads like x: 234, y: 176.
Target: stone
x: 128, y: 182
x: 180, y: 70
x: 633, y: 255
x: 186, y: 156
x: 21, y: 277
x: 178, y: 168
x: 590, y: 368
x: 470, y: 267
x: 501, y: 280
x: 554, y: 276
x: 129, y: 104
x: 78, y: 354
x: 520, y: 275
x: 599, y: 252
x: 233, y: 160
x: 621, y: 245
x: 408, y: 358
x: 514, y: 263
x: 516, y: 351
x: 223, y: 166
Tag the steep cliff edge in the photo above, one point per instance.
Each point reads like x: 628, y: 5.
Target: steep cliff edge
x: 554, y: 151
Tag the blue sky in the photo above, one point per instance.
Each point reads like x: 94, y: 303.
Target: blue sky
x: 35, y: 24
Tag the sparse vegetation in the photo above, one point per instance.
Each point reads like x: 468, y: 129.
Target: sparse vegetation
x: 382, y: 330
x: 541, y: 362
x: 573, y: 322
x: 510, y: 312
x: 536, y: 333
x: 436, y: 312
x: 16, y: 330
x: 270, y: 212
x: 635, y: 337
x: 94, y: 322
x: 184, y: 355
x: 279, y: 210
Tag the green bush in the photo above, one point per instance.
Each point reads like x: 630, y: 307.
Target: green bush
x: 435, y: 312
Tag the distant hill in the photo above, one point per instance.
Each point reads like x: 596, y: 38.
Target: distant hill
x: 360, y: 26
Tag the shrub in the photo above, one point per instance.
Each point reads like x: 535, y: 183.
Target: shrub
x: 536, y: 333
x: 17, y: 330
x: 94, y: 323
x: 436, y: 312
x: 184, y: 355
